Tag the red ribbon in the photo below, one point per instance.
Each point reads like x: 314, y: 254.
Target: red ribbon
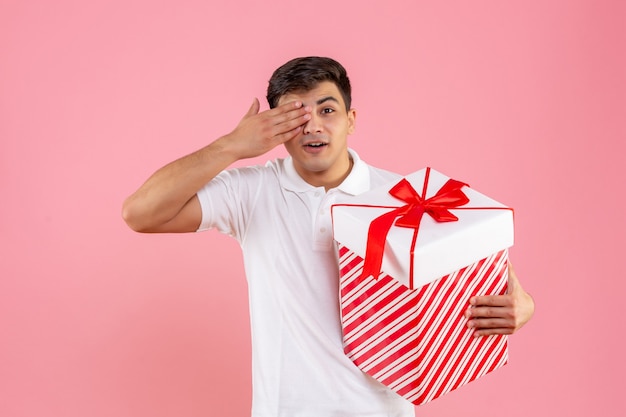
x: 410, y: 215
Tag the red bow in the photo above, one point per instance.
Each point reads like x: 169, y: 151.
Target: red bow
x: 410, y: 215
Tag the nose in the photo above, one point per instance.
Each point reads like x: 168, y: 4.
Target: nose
x: 313, y: 126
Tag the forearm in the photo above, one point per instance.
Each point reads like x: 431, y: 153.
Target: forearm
x: 168, y: 190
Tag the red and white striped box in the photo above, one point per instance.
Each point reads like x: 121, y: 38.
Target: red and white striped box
x: 409, y: 264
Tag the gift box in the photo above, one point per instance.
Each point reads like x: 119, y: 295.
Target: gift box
x: 409, y: 263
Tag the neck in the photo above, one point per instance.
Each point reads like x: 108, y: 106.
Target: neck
x: 327, y: 179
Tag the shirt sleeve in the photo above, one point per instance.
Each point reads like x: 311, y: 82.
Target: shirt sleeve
x: 227, y: 201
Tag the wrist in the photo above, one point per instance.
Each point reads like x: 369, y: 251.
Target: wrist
x: 223, y: 149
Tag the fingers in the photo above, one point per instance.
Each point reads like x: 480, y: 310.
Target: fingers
x: 290, y: 115
x: 285, y: 122
x: 504, y: 314
x: 493, y: 331
x: 488, y: 321
x: 488, y: 317
x: 491, y: 306
x: 491, y: 314
x: 280, y: 114
x: 259, y: 132
x: 287, y: 136
x: 290, y: 128
x: 490, y: 300
x: 479, y: 312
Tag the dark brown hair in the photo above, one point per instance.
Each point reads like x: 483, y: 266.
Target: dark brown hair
x: 304, y: 74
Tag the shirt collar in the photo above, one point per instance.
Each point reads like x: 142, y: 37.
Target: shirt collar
x: 357, y: 182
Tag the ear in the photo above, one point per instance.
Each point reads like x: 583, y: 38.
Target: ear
x: 351, y: 121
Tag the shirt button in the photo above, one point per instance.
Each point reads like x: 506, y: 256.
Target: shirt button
x: 323, y: 229
x: 317, y: 194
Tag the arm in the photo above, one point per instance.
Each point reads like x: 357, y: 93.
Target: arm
x: 167, y: 201
x: 501, y: 314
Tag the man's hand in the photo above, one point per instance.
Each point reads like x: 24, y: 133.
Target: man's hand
x: 258, y: 133
x: 501, y: 314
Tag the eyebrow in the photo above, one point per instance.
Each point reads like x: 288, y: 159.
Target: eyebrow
x: 325, y: 99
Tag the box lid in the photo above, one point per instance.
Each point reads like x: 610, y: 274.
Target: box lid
x: 484, y: 226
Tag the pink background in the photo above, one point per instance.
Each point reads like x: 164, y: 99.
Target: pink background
x: 526, y: 101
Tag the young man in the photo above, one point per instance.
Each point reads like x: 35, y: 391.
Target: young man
x: 280, y: 214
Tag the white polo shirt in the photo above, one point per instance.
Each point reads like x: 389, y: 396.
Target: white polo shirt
x: 284, y: 227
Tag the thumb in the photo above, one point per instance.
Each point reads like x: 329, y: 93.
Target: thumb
x: 513, y: 282
x: 254, y: 108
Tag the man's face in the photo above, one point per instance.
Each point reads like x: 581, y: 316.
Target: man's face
x: 320, y: 151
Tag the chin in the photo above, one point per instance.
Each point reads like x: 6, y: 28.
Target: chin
x: 315, y: 168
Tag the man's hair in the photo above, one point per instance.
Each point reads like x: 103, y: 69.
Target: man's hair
x: 304, y: 74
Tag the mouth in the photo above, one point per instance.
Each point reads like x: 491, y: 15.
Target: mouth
x: 316, y: 144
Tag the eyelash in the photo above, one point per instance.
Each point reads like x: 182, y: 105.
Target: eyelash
x: 327, y: 110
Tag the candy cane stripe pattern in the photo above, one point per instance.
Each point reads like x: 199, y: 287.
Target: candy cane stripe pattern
x: 415, y: 341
